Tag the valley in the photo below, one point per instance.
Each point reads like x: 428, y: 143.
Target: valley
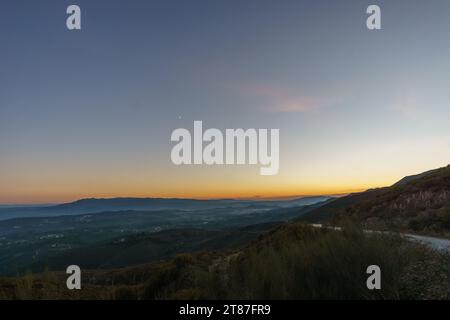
x: 33, y: 243
x: 228, y: 249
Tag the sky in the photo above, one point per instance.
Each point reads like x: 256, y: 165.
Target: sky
x: 89, y: 113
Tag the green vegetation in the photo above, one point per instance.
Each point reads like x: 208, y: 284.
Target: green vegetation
x: 293, y: 261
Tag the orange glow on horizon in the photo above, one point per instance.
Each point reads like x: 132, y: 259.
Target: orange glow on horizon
x: 64, y: 198
x: 62, y: 186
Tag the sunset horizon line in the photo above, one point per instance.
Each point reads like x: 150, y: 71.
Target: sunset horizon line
x: 201, y: 198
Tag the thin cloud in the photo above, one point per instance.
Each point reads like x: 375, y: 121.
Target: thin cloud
x: 410, y: 106
x: 281, y: 100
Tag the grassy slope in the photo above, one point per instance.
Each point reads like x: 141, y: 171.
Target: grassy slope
x: 419, y: 204
x: 292, y: 262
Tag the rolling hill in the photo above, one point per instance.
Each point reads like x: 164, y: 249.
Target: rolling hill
x: 418, y: 204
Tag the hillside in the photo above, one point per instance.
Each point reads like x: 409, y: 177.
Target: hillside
x: 146, y: 247
x: 418, y: 204
x: 293, y: 261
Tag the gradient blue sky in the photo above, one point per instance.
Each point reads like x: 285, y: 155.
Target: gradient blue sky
x: 89, y: 113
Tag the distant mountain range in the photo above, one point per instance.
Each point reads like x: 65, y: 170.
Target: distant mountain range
x: 418, y: 204
x: 187, y: 248
x: 123, y: 231
x: 91, y: 206
x: 101, y: 229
